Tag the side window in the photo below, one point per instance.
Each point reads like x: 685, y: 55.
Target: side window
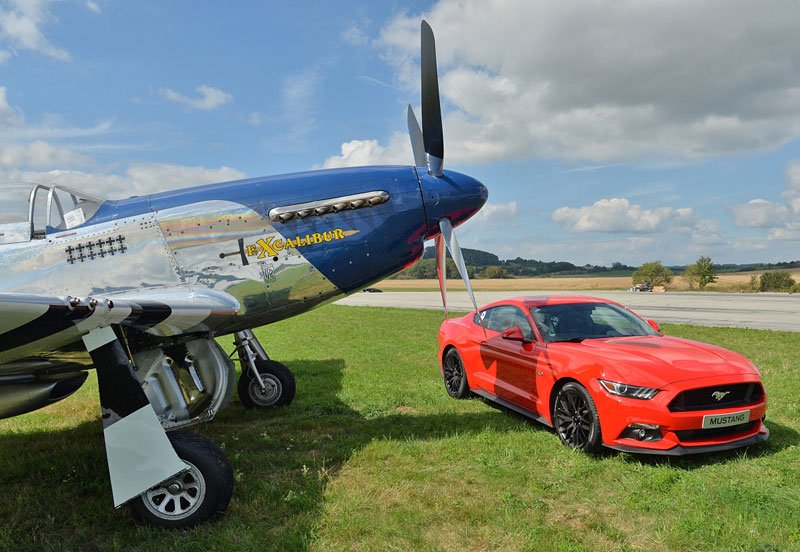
x: 503, y: 317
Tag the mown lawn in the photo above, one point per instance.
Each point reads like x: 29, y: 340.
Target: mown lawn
x: 373, y: 455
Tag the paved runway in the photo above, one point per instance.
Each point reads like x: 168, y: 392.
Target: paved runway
x: 767, y: 311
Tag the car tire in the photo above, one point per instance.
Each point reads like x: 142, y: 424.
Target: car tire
x: 279, y: 387
x: 455, y: 378
x: 575, y: 418
x: 198, y: 494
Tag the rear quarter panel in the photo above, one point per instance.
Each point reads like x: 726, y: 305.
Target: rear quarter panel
x: 457, y: 332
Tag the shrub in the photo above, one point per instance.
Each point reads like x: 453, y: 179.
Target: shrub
x: 494, y: 272
x: 776, y: 280
x: 706, y: 273
x: 653, y: 272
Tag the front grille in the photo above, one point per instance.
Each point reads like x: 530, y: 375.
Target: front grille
x: 702, y: 434
x: 737, y: 394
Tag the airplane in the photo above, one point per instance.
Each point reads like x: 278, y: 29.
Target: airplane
x: 145, y: 285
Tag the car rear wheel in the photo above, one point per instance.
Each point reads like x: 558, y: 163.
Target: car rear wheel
x: 455, y: 379
x: 575, y: 418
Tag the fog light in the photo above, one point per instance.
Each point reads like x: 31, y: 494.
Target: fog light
x: 642, y: 432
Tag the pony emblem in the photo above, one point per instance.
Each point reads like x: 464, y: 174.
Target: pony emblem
x: 719, y: 395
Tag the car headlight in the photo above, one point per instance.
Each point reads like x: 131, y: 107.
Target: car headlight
x: 629, y: 391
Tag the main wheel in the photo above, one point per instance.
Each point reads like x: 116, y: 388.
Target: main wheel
x: 278, y: 390
x: 196, y: 495
x: 575, y: 418
x: 455, y: 379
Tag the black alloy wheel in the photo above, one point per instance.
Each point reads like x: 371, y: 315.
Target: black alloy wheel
x: 575, y: 418
x: 455, y: 379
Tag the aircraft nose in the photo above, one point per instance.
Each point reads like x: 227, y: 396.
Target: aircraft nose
x: 453, y: 196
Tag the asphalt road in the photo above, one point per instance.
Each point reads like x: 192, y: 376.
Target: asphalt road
x: 766, y: 311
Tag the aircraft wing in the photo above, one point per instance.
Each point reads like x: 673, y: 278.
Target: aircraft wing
x: 33, y: 323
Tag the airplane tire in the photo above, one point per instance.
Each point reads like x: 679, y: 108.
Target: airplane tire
x: 199, y: 494
x: 280, y: 386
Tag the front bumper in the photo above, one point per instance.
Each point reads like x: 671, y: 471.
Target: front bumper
x: 617, y: 414
x: 683, y: 450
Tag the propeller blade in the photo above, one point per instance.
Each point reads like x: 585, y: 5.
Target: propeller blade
x: 449, y: 236
x: 441, y: 269
x: 432, y: 133
x: 417, y: 144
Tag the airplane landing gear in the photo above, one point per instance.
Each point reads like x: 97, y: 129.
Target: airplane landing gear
x: 264, y: 383
x: 198, y: 494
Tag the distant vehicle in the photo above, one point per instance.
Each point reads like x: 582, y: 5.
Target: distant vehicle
x: 602, y: 376
x: 372, y: 290
x: 643, y: 286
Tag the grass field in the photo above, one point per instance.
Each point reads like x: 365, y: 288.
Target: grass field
x: 738, y: 281
x: 373, y: 455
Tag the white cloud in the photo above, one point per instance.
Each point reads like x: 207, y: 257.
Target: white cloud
x: 138, y: 179
x: 784, y: 234
x: 355, y: 36
x: 254, y: 118
x: 21, y: 23
x: 606, y: 81
x: 33, y: 153
x: 620, y: 215
x: 151, y: 177
x: 793, y: 176
x: 493, y: 213
x: 39, y: 154
x: 298, y: 106
x: 759, y: 213
x: 9, y: 116
x: 93, y: 6
x: 368, y: 152
x: 210, y: 97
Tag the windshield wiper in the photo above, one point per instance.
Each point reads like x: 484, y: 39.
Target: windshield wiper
x: 570, y: 340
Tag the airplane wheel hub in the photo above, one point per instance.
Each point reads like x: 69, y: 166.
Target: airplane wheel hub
x: 267, y: 395
x: 179, y: 497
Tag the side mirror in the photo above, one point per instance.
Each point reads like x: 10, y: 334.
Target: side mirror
x: 654, y: 325
x: 514, y: 333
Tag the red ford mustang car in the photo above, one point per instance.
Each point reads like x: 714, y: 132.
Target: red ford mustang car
x: 602, y: 376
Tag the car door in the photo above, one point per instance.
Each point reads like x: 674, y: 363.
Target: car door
x: 512, y: 361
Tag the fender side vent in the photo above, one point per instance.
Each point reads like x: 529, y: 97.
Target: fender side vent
x: 325, y: 206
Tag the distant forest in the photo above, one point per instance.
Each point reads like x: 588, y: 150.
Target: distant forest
x: 482, y: 264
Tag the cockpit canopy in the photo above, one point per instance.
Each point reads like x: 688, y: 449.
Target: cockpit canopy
x: 31, y: 211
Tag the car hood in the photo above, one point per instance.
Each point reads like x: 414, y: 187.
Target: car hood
x: 656, y: 361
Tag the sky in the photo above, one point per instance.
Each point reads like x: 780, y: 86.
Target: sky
x: 606, y: 130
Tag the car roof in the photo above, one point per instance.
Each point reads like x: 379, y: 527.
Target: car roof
x: 530, y: 301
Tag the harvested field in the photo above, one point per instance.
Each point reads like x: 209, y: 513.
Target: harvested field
x: 737, y: 281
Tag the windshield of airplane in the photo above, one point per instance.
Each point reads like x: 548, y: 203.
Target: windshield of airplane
x: 579, y: 321
x: 14, y: 203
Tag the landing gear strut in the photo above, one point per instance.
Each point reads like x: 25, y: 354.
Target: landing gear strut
x: 264, y: 383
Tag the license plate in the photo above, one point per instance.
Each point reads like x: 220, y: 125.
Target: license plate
x: 725, y: 420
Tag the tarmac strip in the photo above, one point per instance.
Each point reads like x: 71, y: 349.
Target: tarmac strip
x: 764, y: 311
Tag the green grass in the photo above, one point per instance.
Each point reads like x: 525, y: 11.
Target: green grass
x: 373, y: 455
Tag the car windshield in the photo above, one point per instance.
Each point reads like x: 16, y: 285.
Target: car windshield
x: 579, y: 321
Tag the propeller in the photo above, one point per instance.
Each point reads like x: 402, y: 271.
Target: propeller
x: 427, y: 143
x: 448, y: 236
x: 417, y: 143
x: 432, y: 133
